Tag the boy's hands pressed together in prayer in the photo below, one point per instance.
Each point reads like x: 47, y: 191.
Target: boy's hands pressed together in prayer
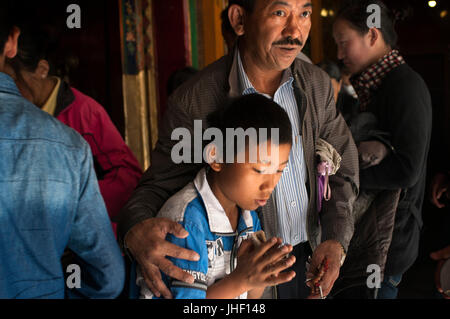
x: 258, y: 267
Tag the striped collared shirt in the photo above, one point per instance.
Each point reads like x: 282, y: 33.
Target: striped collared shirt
x: 291, y: 196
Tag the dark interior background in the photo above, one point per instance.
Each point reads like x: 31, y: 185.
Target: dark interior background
x: 89, y: 56
x: 424, y: 42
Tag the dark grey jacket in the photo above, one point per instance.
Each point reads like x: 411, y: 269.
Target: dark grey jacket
x: 402, y: 105
x: 207, y: 92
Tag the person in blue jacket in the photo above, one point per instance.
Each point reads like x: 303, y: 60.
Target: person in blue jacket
x: 49, y: 200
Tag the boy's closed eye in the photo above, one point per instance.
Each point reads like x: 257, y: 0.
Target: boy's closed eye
x: 269, y: 170
x: 263, y: 171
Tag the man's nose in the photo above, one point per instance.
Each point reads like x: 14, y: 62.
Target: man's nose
x: 293, y: 28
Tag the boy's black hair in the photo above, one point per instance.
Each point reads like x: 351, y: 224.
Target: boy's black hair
x: 252, y: 111
x: 355, y: 12
x: 7, y: 22
x: 331, y: 68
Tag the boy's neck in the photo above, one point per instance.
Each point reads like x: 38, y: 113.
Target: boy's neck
x: 230, y: 208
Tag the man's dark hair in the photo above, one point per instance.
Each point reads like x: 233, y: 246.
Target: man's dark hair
x: 33, y: 46
x: 331, y: 68
x: 253, y: 111
x: 248, y: 5
x: 227, y: 29
x: 355, y: 12
x: 7, y: 22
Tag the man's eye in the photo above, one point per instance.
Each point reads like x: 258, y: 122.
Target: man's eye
x: 306, y: 14
x: 279, y: 13
x: 258, y: 171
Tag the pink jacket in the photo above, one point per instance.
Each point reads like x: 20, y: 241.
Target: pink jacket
x: 117, y: 169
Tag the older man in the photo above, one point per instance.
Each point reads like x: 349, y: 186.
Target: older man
x: 271, y: 34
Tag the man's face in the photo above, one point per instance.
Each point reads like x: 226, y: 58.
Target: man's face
x: 353, y: 48
x: 249, y: 185
x: 276, y: 31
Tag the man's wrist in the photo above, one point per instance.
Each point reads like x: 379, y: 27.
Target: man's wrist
x: 125, y: 250
x: 343, y: 253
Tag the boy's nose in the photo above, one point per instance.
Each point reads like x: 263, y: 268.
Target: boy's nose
x: 270, y: 182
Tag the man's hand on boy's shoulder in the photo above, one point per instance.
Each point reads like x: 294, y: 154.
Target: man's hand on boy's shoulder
x: 147, y: 243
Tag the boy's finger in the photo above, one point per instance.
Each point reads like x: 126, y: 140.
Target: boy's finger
x: 264, y: 248
x: 281, y: 265
x: 281, y: 278
x: 276, y: 254
x: 246, y: 245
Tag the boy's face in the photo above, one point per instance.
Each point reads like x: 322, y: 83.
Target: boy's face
x: 250, y: 185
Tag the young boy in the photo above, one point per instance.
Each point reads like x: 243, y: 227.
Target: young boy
x: 217, y: 209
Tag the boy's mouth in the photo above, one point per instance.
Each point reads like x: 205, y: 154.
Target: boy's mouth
x: 261, y: 202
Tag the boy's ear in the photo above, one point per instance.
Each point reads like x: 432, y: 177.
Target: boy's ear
x: 211, y: 157
x: 216, y: 167
x: 236, y: 16
x: 10, y: 50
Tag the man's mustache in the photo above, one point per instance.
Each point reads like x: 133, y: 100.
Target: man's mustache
x: 289, y: 41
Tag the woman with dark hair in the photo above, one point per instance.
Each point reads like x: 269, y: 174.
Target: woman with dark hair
x: 400, y: 100
x: 116, y: 167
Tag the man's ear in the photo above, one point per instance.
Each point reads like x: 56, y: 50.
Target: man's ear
x: 236, y: 16
x: 42, y: 69
x: 10, y: 50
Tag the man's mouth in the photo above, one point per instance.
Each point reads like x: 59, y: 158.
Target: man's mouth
x: 289, y: 49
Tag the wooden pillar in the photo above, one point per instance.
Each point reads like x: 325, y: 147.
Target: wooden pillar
x: 211, y: 31
x: 317, y: 53
x: 139, y: 78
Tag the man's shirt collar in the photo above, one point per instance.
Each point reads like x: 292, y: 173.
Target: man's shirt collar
x: 240, y: 83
